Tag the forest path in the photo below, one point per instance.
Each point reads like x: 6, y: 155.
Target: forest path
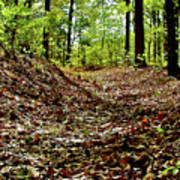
x: 135, y: 94
x: 51, y: 129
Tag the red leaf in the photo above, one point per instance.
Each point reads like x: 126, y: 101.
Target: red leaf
x: 1, y: 139
x: 50, y: 170
x: 71, y: 118
x: 123, y: 161
x: 59, y: 112
x: 68, y: 128
x: 119, y: 98
x: 132, y: 130
x: 4, y: 90
x: 108, y: 89
x: 160, y: 116
x: 36, y: 139
x: 65, y: 173
x: 36, y: 123
x: 144, y: 122
x: 1, y: 114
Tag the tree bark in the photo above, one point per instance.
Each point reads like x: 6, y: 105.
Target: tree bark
x: 149, y: 43
x: 165, y: 44
x: 127, y: 47
x: 16, y: 2
x: 102, y: 22
x: 30, y: 4
x: 155, y: 38
x: 139, y: 33
x: 172, y: 24
x: 46, y: 33
x: 159, y: 37
x: 14, y: 34
x: 71, y: 10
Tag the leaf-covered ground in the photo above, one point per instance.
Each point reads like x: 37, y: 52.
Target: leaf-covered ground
x: 113, y: 123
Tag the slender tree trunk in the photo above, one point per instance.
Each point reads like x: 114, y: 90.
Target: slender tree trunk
x: 71, y: 9
x: 104, y: 31
x: 80, y: 41
x: 83, y: 50
x: 30, y: 4
x: 149, y: 43
x: 155, y: 39
x: 103, y: 40
x: 14, y: 34
x: 172, y: 23
x: 127, y: 47
x: 149, y: 51
x: 14, y: 30
x: 165, y: 44
x: 26, y: 47
x: 159, y: 38
x: 110, y: 44
x: 64, y: 53
x: 139, y: 33
x: 46, y: 33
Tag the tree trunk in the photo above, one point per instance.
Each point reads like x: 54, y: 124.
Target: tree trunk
x: 149, y: 43
x: 16, y: 2
x: 83, y: 61
x: 46, y: 33
x: 159, y: 38
x: 14, y: 34
x: 165, y: 44
x: 110, y: 44
x: 14, y: 30
x: 127, y: 29
x: 155, y: 39
x: 25, y: 49
x: 139, y: 33
x: 102, y: 22
x: 103, y: 40
x: 30, y: 4
x: 172, y: 23
x: 64, y: 53
x: 71, y: 9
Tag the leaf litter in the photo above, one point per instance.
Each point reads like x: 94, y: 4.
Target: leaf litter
x: 113, y: 123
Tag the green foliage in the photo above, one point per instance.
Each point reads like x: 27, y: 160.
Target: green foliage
x: 98, y: 34
x: 174, y: 169
x: 160, y: 130
x: 27, y: 23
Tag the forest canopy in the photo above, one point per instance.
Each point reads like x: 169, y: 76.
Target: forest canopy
x: 89, y: 32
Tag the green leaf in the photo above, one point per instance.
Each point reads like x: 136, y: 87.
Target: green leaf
x: 167, y: 78
x: 160, y: 130
x: 167, y: 169
x: 1, y: 3
x: 69, y: 98
x: 157, y: 93
x: 178, y: 163
x: 100, y: 119
x: 29, y: 139
x: 175, y: 171
x: 87, y: 132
